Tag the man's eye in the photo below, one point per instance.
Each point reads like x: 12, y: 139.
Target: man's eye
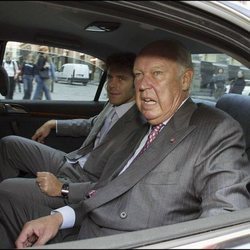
x: 157, y: 73
x: 136, y: 75
x: 121, y: 78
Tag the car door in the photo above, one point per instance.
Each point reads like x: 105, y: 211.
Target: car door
x: 22, y: 117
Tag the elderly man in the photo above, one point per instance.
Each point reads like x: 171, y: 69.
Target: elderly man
x: 191, y: 164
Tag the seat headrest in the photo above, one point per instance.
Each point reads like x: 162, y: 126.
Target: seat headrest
x: 4, y: 81
x: 238, y: 106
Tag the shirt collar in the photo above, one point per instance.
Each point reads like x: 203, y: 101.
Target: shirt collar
x: 123, y: 108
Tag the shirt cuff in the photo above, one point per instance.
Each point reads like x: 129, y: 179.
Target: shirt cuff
x: 68, y: 215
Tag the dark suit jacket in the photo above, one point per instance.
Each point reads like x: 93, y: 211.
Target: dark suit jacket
x: 129, y: 129
x: 196, y: 167
x: 83, y: 127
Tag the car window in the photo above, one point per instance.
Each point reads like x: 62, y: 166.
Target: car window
x: 217, y: 74
x: 76, y: 75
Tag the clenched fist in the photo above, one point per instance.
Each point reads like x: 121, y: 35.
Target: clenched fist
x: 49, y: 184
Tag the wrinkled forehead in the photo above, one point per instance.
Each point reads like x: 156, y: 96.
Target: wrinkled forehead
x: 152, y: 60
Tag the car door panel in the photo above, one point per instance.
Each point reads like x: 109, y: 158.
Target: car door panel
x: 25, y: 117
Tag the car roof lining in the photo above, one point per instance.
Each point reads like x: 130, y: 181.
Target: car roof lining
x: 74, y: 21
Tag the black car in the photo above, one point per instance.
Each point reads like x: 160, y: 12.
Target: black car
x: 86, y: 32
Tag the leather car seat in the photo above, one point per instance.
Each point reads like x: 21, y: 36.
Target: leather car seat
x: 238, y: 106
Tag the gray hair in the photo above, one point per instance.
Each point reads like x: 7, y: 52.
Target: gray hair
x: 170, y: 49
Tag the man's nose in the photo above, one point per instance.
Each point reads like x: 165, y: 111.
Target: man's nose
x: 143, y: 83
x: 113, y: 82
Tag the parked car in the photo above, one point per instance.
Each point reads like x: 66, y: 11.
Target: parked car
x: 73, y: 73
x: 214, y: 31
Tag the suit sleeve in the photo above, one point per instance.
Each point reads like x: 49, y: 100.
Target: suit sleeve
x: 78, y: 127
x: 75, y: 127
x: 219, y: 173
x: 78, y: 191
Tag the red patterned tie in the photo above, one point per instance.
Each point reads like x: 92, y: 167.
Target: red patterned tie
x: 152, y: 135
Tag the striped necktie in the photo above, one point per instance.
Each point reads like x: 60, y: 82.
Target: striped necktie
x: 152, y: 135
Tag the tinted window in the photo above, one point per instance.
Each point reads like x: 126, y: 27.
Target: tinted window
x: 216, y: 74
x: 76, y: 75
x: 71, y: 82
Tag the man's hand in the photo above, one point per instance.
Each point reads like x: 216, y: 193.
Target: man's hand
x: 42, y: 132
x: 49, y: 184
x: 38, y: 232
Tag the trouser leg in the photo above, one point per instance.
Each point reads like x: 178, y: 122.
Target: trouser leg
x: 25, y: 87
x: 27, y: 190
x: 30, y: 87
x: 15, y: 212
x: 39, y: 88
x: 5, y: 241
x: 11, y: 88
x: 18, y: 154
x: 46, y: 89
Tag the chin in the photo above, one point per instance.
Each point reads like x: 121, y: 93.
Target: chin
x: 150, y: 119
x: 116, y: 103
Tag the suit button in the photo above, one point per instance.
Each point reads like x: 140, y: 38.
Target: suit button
x: 123, y: 215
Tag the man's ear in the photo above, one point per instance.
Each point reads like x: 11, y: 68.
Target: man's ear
x: 187, y: 79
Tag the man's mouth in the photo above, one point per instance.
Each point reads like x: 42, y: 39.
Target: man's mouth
x: 149, y: 101
x: 114, y: 93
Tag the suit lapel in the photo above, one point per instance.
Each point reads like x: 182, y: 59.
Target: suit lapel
x: 131, y: 121
x: 98, y: 124
x: 175, y: 131
x: 128, y: 119
x: 88, y: 144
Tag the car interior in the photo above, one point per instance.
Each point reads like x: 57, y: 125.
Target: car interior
x: 100, y: 28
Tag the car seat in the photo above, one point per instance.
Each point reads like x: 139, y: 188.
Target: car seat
x: 238, y: 106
